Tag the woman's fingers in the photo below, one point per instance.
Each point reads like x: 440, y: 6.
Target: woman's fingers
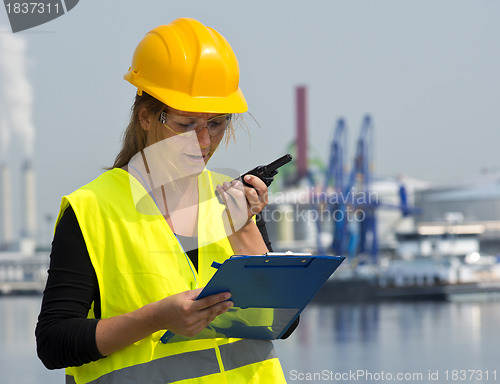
x: 235, y: 192
x: 257, y: 195
x: 207, y: 316
x: 242, y: 202
x: 211, y: 300
x: 206, y: 310
x: 236, y: 214
x: 183, y: 314
x: 238, y: 195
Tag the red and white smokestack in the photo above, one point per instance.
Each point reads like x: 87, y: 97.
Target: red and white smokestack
x: 29, y: 200
x: 7, y: 222
x: 301, y: 99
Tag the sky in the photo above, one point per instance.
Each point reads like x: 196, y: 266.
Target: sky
x: 426, y: 71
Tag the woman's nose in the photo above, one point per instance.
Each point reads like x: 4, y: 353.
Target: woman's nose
x: 203, y: 137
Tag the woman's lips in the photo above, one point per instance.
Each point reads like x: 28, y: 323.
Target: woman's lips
x: 197, y: 158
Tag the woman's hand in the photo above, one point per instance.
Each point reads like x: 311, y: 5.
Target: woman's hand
x: 181, y: 314
x: 256, y: 196
x: 242, y: 202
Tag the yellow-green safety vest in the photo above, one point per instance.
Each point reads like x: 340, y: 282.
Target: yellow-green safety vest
x: 138, y: 260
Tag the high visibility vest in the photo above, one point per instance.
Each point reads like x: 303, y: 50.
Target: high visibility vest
x: 138, y: 260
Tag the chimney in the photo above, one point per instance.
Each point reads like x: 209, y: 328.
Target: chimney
x: 29, y: 227
x: 29, y: 202
x: 6, y: 205
x: 301, y: 95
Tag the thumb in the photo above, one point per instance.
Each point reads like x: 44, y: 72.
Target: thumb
x: 193, y: 294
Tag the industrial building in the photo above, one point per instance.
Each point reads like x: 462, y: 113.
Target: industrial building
x: 463, y: 209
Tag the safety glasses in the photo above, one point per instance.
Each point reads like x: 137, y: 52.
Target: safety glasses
x: 178, y: 124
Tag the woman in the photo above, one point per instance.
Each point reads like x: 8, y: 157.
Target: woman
x: 133, y: 247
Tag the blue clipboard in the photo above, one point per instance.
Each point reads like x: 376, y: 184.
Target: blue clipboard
x: 269, y: 292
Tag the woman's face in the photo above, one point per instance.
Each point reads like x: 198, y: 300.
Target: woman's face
x: 197, y: 151
x: 179, y: 143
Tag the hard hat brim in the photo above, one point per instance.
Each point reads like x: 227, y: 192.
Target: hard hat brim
x: 233, y: 103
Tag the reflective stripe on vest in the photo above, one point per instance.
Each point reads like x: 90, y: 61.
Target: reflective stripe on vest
x: 244, y: 352
x: 190, y: 365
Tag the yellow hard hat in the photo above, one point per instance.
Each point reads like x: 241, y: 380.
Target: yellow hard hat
x: 189, y: 67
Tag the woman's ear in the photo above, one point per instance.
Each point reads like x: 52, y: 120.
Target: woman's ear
x: 145, y: 118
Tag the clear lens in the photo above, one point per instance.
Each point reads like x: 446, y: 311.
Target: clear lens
x: 182, y: 124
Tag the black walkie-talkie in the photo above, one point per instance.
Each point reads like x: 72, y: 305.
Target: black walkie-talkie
x: 267, y: 172
x: 264, y: 172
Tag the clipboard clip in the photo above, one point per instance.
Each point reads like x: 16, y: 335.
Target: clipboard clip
x: 215, y: 265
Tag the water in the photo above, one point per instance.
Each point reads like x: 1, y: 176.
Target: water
x: 418, y: 342
x: 18, y: 361
x: 371, y: 343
